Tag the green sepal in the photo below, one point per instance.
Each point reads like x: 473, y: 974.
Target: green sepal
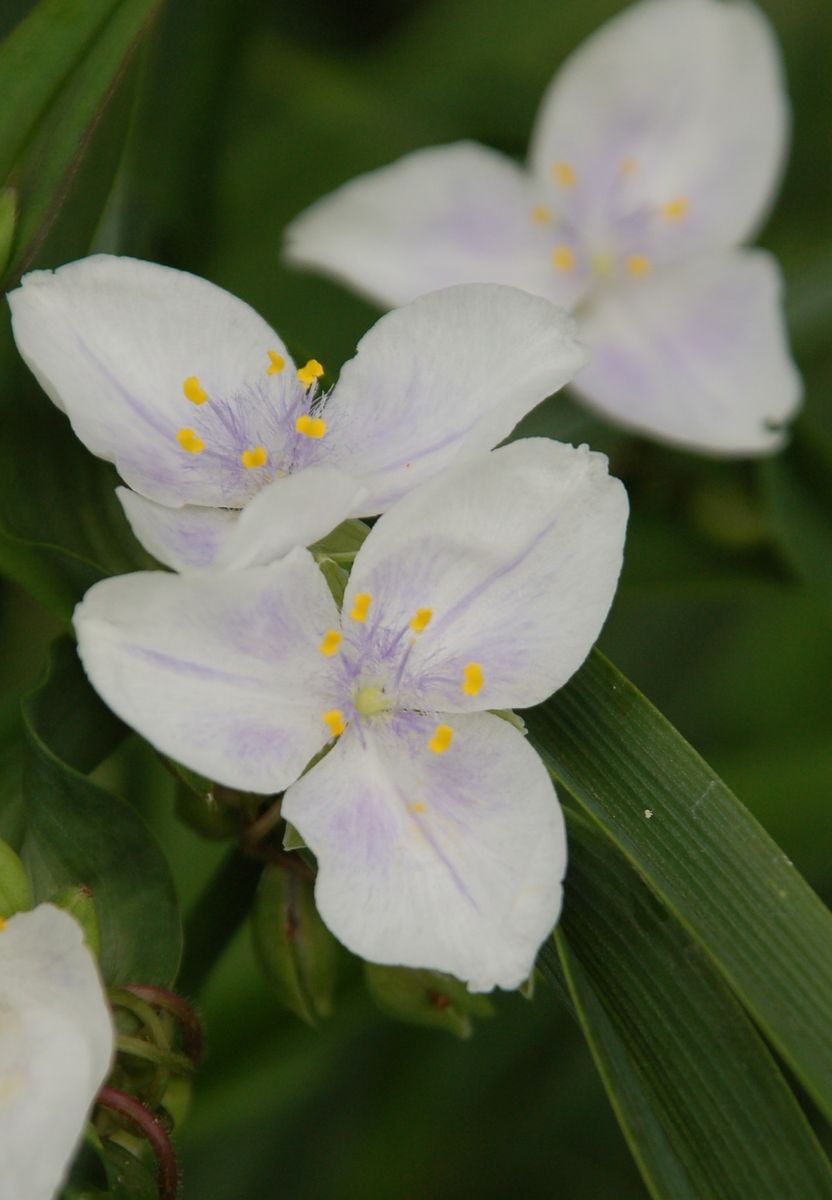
x: 292, y: 839
x: 336, y: 578
x: 15, y: 889
x: 80, y: 904
x: 296, y: 951
x: 420, y: 997
x: 346, y: 538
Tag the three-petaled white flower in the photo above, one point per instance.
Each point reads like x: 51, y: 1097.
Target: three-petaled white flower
x: 656, y: 151
x: 234, y: 456
x: 56, y: 1046
x: 437, y: 831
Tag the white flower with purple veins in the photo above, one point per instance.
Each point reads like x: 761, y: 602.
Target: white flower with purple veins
x: 656, y: 152
x: 439, y: 839
x: 56, y: 1046
x: 232, y: 455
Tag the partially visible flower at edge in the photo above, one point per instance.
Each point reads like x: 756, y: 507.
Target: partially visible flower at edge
x: 439, y: 839
x: 234, y: 456
x: 656, y: 152
x: 56, y: 1047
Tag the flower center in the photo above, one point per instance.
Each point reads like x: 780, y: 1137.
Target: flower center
x: 370, y: 700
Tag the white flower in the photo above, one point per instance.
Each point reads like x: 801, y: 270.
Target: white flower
x: 437, y: 831
x: 56, y: 1045
x: 234, y: 456
x: 656, y: 152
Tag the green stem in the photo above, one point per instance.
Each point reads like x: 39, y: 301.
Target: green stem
x: 217, y: 915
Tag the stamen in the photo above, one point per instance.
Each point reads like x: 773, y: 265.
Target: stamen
x: 562, y: 258
x: 442, y: 737
x: 334, y: 719
x: 421, y: 620
x: 194, y: 391
x: 541, y: 215
x: 276, y: 363
x: 628, y: 165
x: 332, y: 640
x: 188, y: 440
x: 472, y: 679
x: 361, y: 607
x: 638, y: 265
x: 311, y: 427
x: 2, y: 924
x: 310, y: 372
x: 254, y: 458
x: 418, y: 807
x: 674, y: 210
x: 564, y: 174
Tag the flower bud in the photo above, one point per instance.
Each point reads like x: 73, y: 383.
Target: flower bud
x: 421, y: 997
x: 296, y: 951
x: 15, y: 890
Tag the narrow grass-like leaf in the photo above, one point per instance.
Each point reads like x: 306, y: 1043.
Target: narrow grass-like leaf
x: 706, y: 1111
x: 703, y: 854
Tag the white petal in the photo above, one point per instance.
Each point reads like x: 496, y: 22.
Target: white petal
x: 113, y: 340
x: 448, y: 214
x: 450, y: 861
x: 690, y: 94
x: 442, y: 379
x: 222, y: 673
x: 696, y: 355
x: 187, y: 538
x: 516, y: 554
x: 56, y: 1045
x: 297, y: 510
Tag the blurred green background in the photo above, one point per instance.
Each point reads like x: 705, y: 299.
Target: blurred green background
x: 245, y: 112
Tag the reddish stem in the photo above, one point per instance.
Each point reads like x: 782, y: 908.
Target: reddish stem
x: 152, y: 1131
x: 162, y: 998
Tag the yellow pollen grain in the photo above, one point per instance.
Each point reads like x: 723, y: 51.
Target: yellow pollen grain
x: 674, y: 210
x: 562, y: 258
x: 419, y: 807
x: 541, y: 215
x: 361, y: 606
x: 310, y: 372
x: 332, y: 640
x: 311, y: 427
x: 194, y: 391
x: 472, y: 679
x: 443, y: 735
x: 564, y: 174
x: 638, y: 265
x: 421, y: 620
x: 276, y: 363
x: 188, y: 440
x: 254, y: 458
x: 628, y: 166
x: 334, y: 720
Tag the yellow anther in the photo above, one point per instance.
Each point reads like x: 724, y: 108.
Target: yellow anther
x: 311, y: 427
x: 541, y: 215
x: 564, y: 174
x: 189, y: 441
x: 421, y: 620
x: 361, y: 606
x: 2, y: 924
x: 332, y: 640
x: 254, y: 458
x: 602, y: 263
x: 418, y: 807
x: 674, y: 210
x: 194, y: 391
x: 334, y: 719
x: 628, y: 165
x: 562, y: 258
x: 276, y: 363
x: 443, y: 735
x: 638, y: 265
x: 310, y: 372
x: 472, y: 679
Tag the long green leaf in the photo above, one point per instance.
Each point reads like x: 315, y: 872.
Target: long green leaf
x: 703, y: 854
x: 77, y: 834
x: 705, y: 1109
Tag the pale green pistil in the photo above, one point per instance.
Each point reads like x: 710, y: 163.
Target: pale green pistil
x: 371, y: 700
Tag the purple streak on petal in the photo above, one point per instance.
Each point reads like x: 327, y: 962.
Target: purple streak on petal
x: 181, y: 667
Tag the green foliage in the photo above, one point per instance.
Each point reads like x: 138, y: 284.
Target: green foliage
x: 76, y: 834
x: 426, y: 998
x: 15, y: 889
